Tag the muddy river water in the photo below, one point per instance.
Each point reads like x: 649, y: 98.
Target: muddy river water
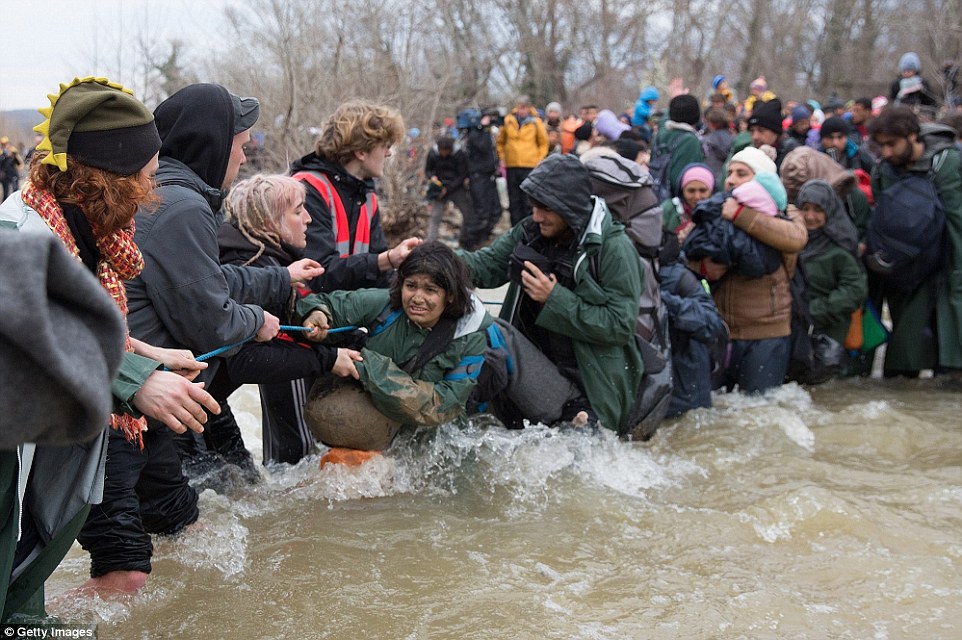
x: 832, y: 512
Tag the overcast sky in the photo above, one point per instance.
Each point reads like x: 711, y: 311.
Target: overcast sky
x: 47, y: 42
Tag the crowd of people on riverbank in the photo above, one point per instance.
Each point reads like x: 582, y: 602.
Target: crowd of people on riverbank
x: 651, y: 258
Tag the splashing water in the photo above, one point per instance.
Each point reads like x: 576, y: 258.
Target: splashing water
x: 803, y: 513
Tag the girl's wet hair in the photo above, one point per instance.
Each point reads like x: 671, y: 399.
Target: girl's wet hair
x: 439, y: 262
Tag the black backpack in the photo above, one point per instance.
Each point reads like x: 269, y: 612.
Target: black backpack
x: 906, y: 233
x: 660, y: 167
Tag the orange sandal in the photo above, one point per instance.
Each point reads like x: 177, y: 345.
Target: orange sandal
x: 347, y: 457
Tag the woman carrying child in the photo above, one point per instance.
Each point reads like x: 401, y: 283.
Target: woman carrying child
x: 757, y: 309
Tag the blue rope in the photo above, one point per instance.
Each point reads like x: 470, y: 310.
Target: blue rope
x: 292, y: 327
x: 341, y: 330
x: 283, y: 327
x: 288, y: 328
x: 220, y: 350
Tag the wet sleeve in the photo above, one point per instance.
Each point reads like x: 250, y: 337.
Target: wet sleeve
x: 279, y: 361
x: 346, y: 308
x: 409, y: 400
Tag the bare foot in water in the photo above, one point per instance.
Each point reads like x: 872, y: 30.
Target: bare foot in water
x: 580, y: 419
x: 115, y: 583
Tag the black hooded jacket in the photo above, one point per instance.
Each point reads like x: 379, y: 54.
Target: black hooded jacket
x: 352, y: 272
x: 196, y: 126
x: 184, y: 298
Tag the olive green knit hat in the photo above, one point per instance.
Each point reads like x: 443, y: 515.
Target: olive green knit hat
x: 101, y: 124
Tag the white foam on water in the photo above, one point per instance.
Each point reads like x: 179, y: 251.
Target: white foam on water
x: 790, y: 395
x: 217, y: 540
x: 443, y: 461
x: 527, y: 462
x: 874, y: 409
x: 788, y: 408
x: 481, y: 455
x: 776, y: 518
x: 88, y: 608
x: 554, y: 607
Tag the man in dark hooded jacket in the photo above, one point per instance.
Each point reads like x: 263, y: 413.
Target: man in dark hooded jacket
x: 182, y: 299
x: 580, y: 305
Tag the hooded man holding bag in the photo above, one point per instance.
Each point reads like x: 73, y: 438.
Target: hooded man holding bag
x: 573, y: 298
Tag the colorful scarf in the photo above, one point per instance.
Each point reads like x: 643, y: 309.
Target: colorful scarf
x: 120, y: 260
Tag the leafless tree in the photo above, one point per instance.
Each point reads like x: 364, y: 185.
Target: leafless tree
x: 431, y: 58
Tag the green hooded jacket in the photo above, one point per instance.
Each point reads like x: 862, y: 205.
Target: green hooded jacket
x: 837, y: 285
x: 598, y: 314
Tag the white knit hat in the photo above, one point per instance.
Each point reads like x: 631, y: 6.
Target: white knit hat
x: 755, y: 159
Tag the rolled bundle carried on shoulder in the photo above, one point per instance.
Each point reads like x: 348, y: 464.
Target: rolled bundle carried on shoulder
x: 340, y: 414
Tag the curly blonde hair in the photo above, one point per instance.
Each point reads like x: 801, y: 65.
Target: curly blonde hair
x: 108, y: 200
x: 255, y: 206
x: 358, y: 125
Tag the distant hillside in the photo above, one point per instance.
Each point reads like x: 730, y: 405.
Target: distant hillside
x: 18, y: 125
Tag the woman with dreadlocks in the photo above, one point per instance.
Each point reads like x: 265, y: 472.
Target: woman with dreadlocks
x: 265, y: 224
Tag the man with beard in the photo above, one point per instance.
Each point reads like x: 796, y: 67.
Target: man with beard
x: 927, y: 321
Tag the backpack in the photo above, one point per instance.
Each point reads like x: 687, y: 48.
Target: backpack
x: 628, y: 190
x: 660, y: 167
x: 906, y: 233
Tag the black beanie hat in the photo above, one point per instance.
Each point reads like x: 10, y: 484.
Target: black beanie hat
x: 584, y: 131
x: 835, y: 124
x: 627, y: 148
x: 101, y: 124
x: 767, y: 115
x: 684, y: 108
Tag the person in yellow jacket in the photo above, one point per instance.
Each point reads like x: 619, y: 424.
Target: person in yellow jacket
x: 759, y: 93
x: 522, y: 143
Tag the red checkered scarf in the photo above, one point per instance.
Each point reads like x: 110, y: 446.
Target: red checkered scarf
x: 120, y: 260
